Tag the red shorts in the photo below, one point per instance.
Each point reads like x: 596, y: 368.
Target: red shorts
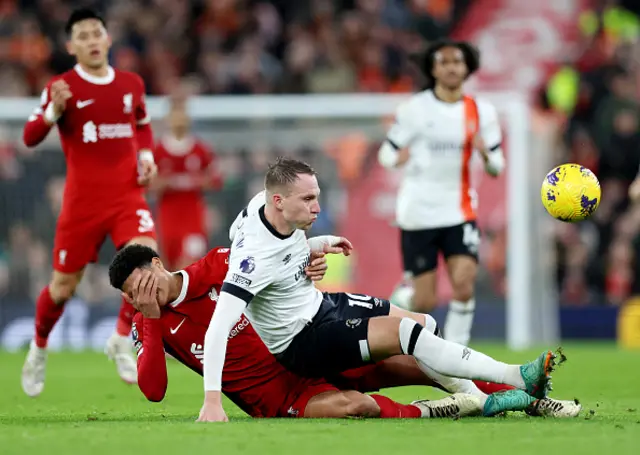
x: 81, y: 232
x: 190, y: 243
x: 285, y: 395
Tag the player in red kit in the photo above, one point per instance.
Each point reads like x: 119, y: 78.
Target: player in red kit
x: 186, y: 167
x: 107, y: 140
x: 174, y: 313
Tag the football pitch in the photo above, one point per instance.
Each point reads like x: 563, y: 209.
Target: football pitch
x: 85, y: 409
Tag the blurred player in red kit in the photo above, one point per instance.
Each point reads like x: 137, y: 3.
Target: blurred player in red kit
x: 186, y: 167
x: 107, y: 140
x: 175, y: 310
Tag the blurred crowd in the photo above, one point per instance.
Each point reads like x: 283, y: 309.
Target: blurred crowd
x: 232, y: 46
x: 598, y: 95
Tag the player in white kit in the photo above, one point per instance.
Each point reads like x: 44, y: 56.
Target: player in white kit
x: 434, y: 137
x: 318, y: 335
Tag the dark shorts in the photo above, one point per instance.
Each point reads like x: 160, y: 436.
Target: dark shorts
x: 420, y: 248
x: 336, y: 339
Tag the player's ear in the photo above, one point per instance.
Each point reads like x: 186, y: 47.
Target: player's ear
x: 69, y: 46
x: 157, y: 262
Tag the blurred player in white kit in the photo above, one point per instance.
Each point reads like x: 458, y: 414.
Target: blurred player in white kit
x: 434, y: 136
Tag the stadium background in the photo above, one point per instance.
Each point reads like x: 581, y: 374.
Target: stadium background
x: 577, y: 62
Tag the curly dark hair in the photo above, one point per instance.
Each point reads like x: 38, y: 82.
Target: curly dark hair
x: 425, y: 60
x: 127, y: 260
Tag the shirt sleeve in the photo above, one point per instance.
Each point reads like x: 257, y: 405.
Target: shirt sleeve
x: 490, y: 127
x: 152, y: 367
x: 199, y: 277
x: 249, y: 273
x: 36, y: 129
x: 403, y: 131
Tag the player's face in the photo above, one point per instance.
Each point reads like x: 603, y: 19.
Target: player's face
x: 89, y: 43
x: 302, y: 206
x: 450, y: 68
x: 162, y: 278
x: 178, y: 122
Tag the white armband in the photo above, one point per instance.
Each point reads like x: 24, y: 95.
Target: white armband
x: 50, y: 114
x: 317, y: 243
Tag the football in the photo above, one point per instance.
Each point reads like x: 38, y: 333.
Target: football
x: 570, y: 193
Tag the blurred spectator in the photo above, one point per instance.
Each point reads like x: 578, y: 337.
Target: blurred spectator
x: 598, y: 93
x: 235, y: 46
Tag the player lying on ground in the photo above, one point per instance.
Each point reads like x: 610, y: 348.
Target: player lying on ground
x: 305, y: 328
x: 106, y: 137
x: 176, y: 315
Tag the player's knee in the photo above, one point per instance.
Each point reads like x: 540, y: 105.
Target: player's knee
x: 360, y: 405
x: 463, y: 289
x: 62, y: 287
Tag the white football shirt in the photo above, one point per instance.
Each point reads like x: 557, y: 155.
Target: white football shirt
x: 436, y: 189
x: 266, y: 270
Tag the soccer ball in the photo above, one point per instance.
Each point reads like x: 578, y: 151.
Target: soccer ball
x: 570, y: 193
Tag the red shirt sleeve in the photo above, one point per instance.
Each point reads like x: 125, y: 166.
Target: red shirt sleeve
x: 144, y: 133
x: 199, y: 277
x: 36, y: 129
x: 152, y: 367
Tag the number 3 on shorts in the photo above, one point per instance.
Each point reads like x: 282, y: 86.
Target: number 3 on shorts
x: 146, y: 222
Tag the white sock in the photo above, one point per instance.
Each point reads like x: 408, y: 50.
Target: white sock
x: 454, y: 385
x: 457, y: 325
x: 453, y: 359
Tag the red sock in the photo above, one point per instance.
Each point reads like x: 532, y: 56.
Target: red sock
x: 125, y: 319
x: 390, y: 409
x: 491, y: 387
x: 47, y: 314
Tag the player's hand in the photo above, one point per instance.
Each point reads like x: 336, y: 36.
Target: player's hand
x: 60, y: 93
x: 317, y: 266
x: 147, y: 170
x: 634, y: 190
x: 212, y: 413
x: 479, y: 144
x: 145, y: 294
x: 343, y: 246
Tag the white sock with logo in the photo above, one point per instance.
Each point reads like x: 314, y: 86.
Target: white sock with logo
x: 452, y: 359
x: 457, y: 325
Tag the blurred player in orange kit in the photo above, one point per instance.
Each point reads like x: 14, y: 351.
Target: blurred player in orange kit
x: 106, y: 137
x: 186, y: 168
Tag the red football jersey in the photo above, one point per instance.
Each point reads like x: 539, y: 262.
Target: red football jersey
x: 185, y: 321
x: 99, y: 132
x: 186, y: 161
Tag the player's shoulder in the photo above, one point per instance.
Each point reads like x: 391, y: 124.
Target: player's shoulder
x: 415, y: 102
x: 486, y: 109
x: 218, y: 254
x: 129, y: 77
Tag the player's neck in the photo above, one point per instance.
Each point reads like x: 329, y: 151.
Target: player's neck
x: 447, y: 95
x: 102, y: 71
x: 175, y: 286
x: 277, y: 223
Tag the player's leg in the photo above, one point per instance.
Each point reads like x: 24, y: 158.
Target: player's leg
x: 193, y: 246
x: 460, y: 248
x: 75, y: 245
x: 420, y: 261
x: 338, y: 404
x: 132, y: 225
x: 388, y: 336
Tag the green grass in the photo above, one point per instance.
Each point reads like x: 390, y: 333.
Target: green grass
x: 85, y: 409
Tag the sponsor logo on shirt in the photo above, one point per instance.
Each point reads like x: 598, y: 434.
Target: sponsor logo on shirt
x: 242, y: 281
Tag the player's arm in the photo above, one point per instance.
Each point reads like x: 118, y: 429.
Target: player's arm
x: 210, y: 179
x: 52, y: 105
x: 330, y: 244
x: 489, y: 141
x: 144, y: 137
x: 246, y: 277
x: 393, y: 152
x: 152, y: 367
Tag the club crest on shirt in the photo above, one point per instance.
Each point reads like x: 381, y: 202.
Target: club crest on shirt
x: 248, y: 265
